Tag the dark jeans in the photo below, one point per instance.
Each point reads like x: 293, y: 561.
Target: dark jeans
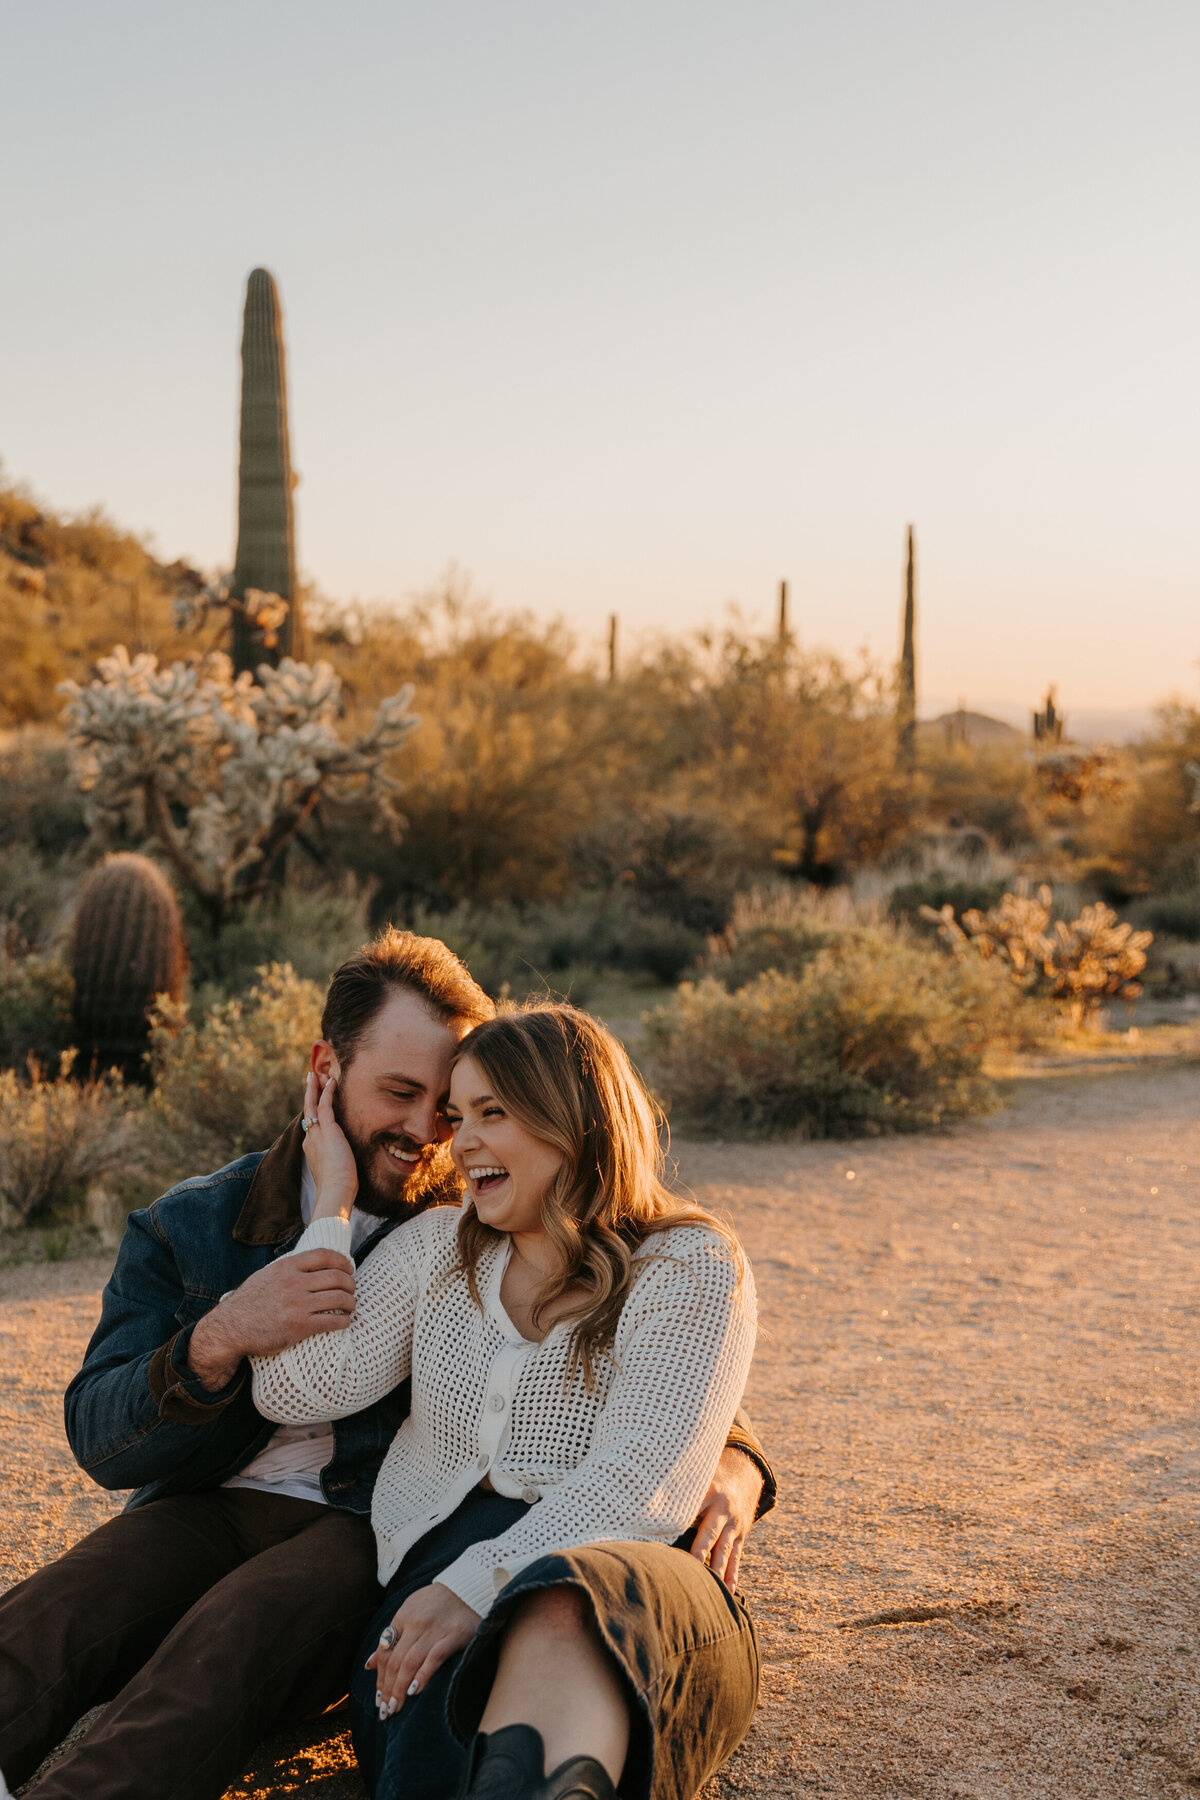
x: 209, y: 1621
x: 682, y: 1641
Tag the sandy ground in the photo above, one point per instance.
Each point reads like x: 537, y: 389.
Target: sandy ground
x: 977, y: 1371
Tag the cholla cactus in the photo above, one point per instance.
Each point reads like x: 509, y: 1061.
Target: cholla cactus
x: 1093, y: 959
x: 219, y: 771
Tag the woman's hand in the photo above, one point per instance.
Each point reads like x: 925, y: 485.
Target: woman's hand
x: 728, y: 1513
x: 327, y: 1151
x: 431, y: 1626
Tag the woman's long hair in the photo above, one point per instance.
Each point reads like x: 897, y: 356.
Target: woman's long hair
x: 567, y: 1080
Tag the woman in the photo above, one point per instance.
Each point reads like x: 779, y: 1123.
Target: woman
x: 578, y: 1342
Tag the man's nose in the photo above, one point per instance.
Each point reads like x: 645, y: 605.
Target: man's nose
x: 427, y: 1124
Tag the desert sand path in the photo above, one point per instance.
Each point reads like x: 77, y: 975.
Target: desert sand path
x: 978, y: 1374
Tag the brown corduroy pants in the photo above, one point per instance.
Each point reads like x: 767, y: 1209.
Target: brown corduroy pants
x: 208, y: 1621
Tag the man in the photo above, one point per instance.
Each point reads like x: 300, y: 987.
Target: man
x: 228, y: 1598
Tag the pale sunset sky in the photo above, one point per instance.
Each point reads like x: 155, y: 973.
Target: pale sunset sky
x: 637, y: 308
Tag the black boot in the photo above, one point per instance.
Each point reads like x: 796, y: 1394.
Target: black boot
x: 510, y: 1765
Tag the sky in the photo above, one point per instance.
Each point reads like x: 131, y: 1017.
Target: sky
x: 640, y: 308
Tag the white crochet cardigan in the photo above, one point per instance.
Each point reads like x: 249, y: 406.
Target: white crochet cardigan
x: 632, y: 1460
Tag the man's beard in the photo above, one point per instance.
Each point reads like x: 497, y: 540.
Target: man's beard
x: 432, y: 1180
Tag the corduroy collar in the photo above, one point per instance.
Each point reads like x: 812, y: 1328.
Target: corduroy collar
x: 271, y: 1211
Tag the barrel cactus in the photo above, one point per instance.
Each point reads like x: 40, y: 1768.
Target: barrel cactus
x: 265, y: 568
x: 128, y: 947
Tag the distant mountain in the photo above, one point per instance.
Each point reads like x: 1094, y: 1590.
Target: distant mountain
x: 1084, y: 724
x: 964, y: 727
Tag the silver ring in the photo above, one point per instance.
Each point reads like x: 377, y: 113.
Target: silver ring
x: 306, y: 1125
x: 387, y: 1637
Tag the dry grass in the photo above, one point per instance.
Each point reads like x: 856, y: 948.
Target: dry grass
x: 983, y: 1584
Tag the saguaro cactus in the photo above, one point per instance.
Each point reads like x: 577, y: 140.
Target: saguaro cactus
x: 906, y: 699
x: 1048, y: 724
x: 128, y: 947
x: 266, y: 546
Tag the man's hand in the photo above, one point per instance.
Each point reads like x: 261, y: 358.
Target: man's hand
x: 430, y: 1626
x: 291, y: 1299
x: 727, y: 1514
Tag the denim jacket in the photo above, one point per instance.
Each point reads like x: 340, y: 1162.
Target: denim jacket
x: 137, y: 1417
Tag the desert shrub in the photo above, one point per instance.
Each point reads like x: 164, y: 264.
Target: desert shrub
x: 40, y: 805
x: 312, y: 929
x: 69, y: 590
x: 653, y: 944
x: 58, y: 1136
x: 616, y: 931
x: 35, y: 896
x: 1168, y: 915
x: 681, y: 866
x: 35, y: 1010
x: 780, y: 928
x: 1079, y: 964
x: 989, y: 787
x: 939, y: 889
x: 230, y: 1082
x: 1146, y: 840
x: 875, y: 1033
x: 559, y: 946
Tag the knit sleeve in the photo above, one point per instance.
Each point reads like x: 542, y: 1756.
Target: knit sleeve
x: 682, y: 1353
x: 335, y: 1373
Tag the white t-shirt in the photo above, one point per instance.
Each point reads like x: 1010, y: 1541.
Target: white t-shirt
x: 292, y: 1462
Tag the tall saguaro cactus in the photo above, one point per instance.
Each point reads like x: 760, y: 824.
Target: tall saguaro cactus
x: 266, y: 546
x: 906, y: 699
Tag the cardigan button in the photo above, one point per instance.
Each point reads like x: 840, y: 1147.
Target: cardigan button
x: 529, y: 1495
x: 497, y: 1403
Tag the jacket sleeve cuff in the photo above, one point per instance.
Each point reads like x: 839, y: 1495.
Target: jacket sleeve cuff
x: 741, y: 1437
x: 179, y: 1395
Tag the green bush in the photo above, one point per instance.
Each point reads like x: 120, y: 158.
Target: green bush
x: 40, y: 803
x: 875, y: 1033
x: 35, y: 895
x: 1169, y: 915
x: 35, y: 1010
x: 230, y: 1083
x: 680, y: 866
x: 560, y: 946
x: 940, y: 889
x: 57, y: 1138
x: 311, y: 929
x: 778, y: 928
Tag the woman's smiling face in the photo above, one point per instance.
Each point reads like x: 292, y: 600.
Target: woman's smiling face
x: 506, y: 1169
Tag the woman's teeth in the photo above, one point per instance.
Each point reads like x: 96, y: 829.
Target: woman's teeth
x: 486, y: 1178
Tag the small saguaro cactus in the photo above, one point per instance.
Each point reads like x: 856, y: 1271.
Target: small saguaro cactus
x: 127, y: 948
x: 265, y: 566
x: 1048, y: 724
x: 906, y: 697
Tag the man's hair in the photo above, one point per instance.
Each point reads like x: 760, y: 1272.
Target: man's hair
x: 398, y: 962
